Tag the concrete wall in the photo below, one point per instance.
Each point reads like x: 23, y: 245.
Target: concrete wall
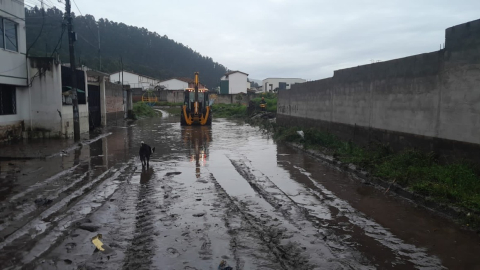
x: 270, y: 84
x: 114, y: 102
x: 13, y: 64
x: 46, y: 95
x: 172, y: 96
x: 232, y: 99
x: 429, y: 101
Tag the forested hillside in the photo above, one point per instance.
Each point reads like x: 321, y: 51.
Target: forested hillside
x: 143, y: 51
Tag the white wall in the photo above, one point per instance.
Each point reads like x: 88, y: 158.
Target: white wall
x: 237, y: 83
x: 276, y: 81
x: 174, y: 84
x: 128, y: 78
x: 134, y: 80
x: 13, y: 67
x: 46, y: 96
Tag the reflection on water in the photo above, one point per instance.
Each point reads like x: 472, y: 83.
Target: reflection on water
x: 197, y: 140
x: 146, y: 175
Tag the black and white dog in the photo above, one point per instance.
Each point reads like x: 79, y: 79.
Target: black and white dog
x: 145, y: 152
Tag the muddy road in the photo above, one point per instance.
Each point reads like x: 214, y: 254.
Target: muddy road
x: 228, y: 192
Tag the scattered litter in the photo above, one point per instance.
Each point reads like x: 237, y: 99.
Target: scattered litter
x: 199, y: 200
x: 97, y: 242
x: 100, y: 246
x: 300, y: 132
x: 223, y: 266
x: 199, y: 215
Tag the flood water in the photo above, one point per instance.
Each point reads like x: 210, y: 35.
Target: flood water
x: 226, y: 192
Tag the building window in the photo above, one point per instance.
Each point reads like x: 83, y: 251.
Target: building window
x: 8, y: 101
x: 8, y: 35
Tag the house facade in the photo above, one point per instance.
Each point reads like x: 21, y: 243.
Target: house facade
x: 180, y: 84
x: 13, y: 68
x: 36, y: 93
x: 275, y: 84
x: 175, y: 84
x: 234, y: 82
x: 134, y: 80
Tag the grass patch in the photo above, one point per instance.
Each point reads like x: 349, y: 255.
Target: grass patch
x: 456, y: 184
x: 229, y: 111
x: 142, y: 110
x: 270, y: 98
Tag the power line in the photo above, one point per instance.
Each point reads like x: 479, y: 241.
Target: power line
x: 88, y: 26
x: 41, y: 30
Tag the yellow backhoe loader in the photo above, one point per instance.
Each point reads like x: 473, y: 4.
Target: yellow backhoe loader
x: 196, y: 108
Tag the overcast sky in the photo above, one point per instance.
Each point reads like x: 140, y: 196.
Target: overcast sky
x: 293, y: 38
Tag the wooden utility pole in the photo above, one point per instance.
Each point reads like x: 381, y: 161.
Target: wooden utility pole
x: 72, y: 37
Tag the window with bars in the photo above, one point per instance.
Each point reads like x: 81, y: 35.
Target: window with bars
x: 8, y: 101
x: 8, y: 35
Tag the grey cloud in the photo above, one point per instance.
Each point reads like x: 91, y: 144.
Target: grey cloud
x: 303, y: 38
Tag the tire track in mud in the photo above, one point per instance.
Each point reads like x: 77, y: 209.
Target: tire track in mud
x: 21, y: 209
x: 300, y: 240
x: 45, y: 232
x: 117, y: 222
x: 189, y: 223
x: 418, y: 257
x: 254, y: 246
x: 141, y: 250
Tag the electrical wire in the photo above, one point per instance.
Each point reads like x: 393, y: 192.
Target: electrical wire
x: 39, y: 34
x: 57, y: 48
x: 88, y: 26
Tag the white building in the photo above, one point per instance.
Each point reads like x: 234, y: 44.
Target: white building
x: 180, y: 84
x: 134, y: 80
x: 35, y: 92
x: 275, y: 84
x: 14, y: 97
x: 234, y: 82
x: 175, y: 84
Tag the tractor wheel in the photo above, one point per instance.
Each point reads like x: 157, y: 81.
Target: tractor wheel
x: 182, y: 120
x: 209, y: 120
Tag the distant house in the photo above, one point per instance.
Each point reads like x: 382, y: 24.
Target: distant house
x: 234, y: 82
x: 180, y: 84
x: 275, y: 84
x: 134, y: 80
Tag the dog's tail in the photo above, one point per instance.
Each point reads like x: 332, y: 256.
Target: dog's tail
x: 153, y: 150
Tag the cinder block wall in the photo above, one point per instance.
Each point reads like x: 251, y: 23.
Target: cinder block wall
x: 429, y: 101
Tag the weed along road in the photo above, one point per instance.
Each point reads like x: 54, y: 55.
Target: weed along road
x: 222, y: 193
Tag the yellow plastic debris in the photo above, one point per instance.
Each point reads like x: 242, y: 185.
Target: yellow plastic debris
x: 97, y: 242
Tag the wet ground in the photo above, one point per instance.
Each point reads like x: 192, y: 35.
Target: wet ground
x: 228, y: 192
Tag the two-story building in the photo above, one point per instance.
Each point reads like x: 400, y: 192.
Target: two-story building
x: 234, y: 82
x: 14, y: 96
x: 35, y: 92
